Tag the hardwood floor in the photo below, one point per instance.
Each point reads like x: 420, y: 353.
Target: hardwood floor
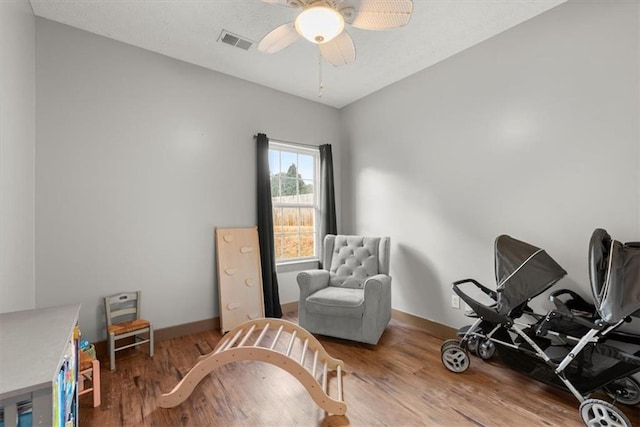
x: 399, y: 382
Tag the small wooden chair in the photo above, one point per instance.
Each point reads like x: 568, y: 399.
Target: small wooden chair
x: 123, y: 321
x: 89, y: 371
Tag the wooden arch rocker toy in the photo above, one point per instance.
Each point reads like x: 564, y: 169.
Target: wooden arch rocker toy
x: 235, y: 346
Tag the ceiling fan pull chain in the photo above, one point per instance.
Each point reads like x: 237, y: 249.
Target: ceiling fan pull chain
x: 320, y: 83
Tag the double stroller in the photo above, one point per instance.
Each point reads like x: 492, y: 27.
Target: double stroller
x: 577, y: 345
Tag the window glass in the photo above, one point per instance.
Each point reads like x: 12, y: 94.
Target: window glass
x: 278, y: 223
x: 274, y: 161
x: 275, y: 188
x: 287, y: 161
x: 305, y: 167
x: 293, y: 182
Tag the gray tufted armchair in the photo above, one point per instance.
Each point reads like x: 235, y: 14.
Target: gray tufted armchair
x: 351, y: 296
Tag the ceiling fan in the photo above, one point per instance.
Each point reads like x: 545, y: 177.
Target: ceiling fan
x: 322, y: 22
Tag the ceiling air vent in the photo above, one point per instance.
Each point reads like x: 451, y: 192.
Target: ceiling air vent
x: 235, y: 40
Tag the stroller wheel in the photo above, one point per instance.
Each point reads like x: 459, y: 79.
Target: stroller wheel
x: 624, y: 390
x: 486, y: 349
x: 448, y: 343
x: 455, y: 358
x: 598, y: 413
x: 472, y: 344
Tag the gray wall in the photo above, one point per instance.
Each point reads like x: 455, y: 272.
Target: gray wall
x: 17, y: 141
x: 533, y: 133
x: 139, y: 157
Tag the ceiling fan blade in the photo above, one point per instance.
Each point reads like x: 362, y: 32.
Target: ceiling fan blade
x: 382, y: 14
x: 288, y: 3
x: 278, y: 39
x: 340, y: 50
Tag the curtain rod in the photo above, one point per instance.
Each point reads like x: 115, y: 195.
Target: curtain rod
x: 291, y: 142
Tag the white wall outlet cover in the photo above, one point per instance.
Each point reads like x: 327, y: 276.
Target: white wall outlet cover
x: 455, y: 301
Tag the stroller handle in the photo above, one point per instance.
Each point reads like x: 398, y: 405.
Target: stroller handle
x: 486, y: 313
x: 492, y: 294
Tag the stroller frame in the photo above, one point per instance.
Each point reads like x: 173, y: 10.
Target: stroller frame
x: 591, y: 337
x: 497, y: 325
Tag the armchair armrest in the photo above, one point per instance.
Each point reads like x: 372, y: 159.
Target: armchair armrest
x: 311, y: 281
x: 377, y: 307
x: 376, y: 286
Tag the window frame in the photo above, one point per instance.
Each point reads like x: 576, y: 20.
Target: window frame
x: 314, y: 152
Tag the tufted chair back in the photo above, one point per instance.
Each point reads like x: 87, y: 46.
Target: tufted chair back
x: 351, y: 259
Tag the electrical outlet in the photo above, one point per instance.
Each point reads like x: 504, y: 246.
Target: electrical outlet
x: 455, y: 301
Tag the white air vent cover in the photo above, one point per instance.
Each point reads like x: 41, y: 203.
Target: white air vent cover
x: 235, y: 40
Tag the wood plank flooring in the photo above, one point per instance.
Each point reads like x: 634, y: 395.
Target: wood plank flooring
x: 399, y: 382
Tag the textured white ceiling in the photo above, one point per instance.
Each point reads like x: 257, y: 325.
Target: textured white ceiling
x: 188, y: 30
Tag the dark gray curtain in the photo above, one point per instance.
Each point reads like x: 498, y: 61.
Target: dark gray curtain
x: 328, y: 223
x: 272, y: 306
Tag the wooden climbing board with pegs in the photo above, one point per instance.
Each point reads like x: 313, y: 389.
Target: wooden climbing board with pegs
x: 239, y: 276
x: 279, y: 342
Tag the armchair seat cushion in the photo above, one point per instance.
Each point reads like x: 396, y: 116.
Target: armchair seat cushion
x: 335, y: 301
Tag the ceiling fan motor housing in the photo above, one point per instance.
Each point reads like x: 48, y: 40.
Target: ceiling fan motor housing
x: 319, y: 22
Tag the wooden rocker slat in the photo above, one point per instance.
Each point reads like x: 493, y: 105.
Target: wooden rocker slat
x: 291, y: 341
x: 225, y: 353
x: 315, y: 363
x: 325, y: 380
x: 262, y: 334
x: 339, y: 373
x: 233, y: 340
x: 304, y: 351
x: 275, y: 340
x: 246, y: 337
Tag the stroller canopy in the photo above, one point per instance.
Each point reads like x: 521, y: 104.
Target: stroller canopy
x: 522, y: 272
x: 614, y: 271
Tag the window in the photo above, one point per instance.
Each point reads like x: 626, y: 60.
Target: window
x: 294, y: 183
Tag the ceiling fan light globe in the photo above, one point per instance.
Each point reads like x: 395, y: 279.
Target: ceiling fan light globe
x: 319, y: 24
